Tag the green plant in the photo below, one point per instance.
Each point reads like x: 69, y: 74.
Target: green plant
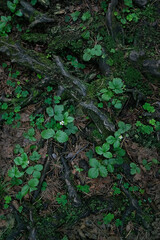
x: 35, y: 170
x: 29, y: 135
x: 148, y: 107
x: 108, y: 218
x: 74, y: 62
x: 116, y: 190
x: 146, y: 164
x: 60, y: 119
x: 33, y: 2
x: 93, y: 52
x: 134, y: 168
x: 97, y: 169
x: 110, y: 150
x: 84, y: 188
x: 86, y: 16
x: 62, y: 199
x: 75, y: 15
x: 116, y: 86
x: 7, y: 199
x: 144, y: 129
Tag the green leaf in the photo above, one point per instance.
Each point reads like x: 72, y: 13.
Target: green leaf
x: 107, y: 154
x: 105, y: 147
x: 116, y: 144
x: 24, y: 190
x: 14, y: 172
x: 110, y: 168
x: 71, y: 129
x: 36, y: 174
x: 75, y: 15
x: 38, y: 167
x: 116, y: 85
x: 11, y: 6
x: 110, y: 139
x: 123, y: 127
x: 30, y: 170
x: 107, y: 219
x: 93, y: 173
x: 86, y: 16
x: 99, y: 150
x: 87, y: 54
x: 58, y: 109
x: 48, y: 133
x: 93, y: 162
x: 35, y: 156
x: 148, y: 107
x: 32, y: 183
x: 19, y: 13
x: 61, y: 136
x: 128, y: 3
x: 18, y: 160
x: 50, y: 111
x: 107, y: 95
x: 103, y: 171
x: 97, y: 50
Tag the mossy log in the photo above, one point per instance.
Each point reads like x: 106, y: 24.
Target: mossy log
x: 55, y: 71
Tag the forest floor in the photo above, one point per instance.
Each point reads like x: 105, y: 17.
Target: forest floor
x: 70, y: 203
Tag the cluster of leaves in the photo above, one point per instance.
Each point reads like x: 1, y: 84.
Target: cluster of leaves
x: 86, y: 16
x: 59, y: 119
x: 75, y: 63
x: 115, y: 87
x: 93, y: 52
x: 112, y: 152
x: 154, y: 125
x: 128, y: 13
x: 5, y: 22
x: 22, y: 168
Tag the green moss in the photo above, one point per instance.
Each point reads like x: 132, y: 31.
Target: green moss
x: 133, y: 78
x: 94, y: 87
x: 34, y: 37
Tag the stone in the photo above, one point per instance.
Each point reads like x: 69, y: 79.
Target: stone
x: 134, y: 55
x: 152, y: 66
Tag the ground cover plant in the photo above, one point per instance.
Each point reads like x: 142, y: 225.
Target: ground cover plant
x: 79, y: 119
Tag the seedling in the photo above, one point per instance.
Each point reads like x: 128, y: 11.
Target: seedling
x: 134, y: 169
x: 108, y: 218
x: 97, y: 169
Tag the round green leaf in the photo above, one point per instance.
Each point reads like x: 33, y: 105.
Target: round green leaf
x: 103, y: 171
x: 50, y: 111
x: 30, y: 170
x: 99, y: 150
x: 38, y: 167
x: 93, y: 173
x: 33, y: 182
x: 93, y: 162
x: 48, y: 133
x: 36, y: 174
x: 110, y: 139
x: 61, y: 136
x: 107, y: 154
x: 18, y: 160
